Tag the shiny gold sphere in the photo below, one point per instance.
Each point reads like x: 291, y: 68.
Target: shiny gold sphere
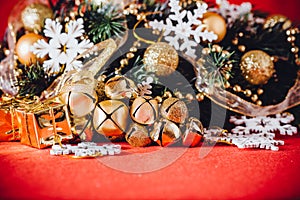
x: 25, y: 56
x: 161, y: 58
x: 215, y: 23
x: 272, y: 20
x: 257, y: 67
x: 34, y: 15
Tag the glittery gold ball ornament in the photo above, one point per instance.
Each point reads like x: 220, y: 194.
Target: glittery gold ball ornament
x: 257, y: 67
x: 272, y: 20
x: 161, y: 58
x: 215, y: 23
x: 110, y: 118
x: 25, y: 56
x: 34, y: 15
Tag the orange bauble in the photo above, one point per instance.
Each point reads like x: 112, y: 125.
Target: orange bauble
x: 25, y: 56
x: 215, y: 23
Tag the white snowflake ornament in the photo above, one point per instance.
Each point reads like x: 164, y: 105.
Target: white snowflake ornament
x: 181, y: 33
x: 62, y: 48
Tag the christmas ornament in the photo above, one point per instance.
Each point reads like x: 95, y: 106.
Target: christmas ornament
x: 110, y: 118
x: 119, y: 87
x: 174, y: 110
x: 193, y: 133
x: 272, y: 20
x: 216, y: 24
x: 25, y: 56
x: 138, y: 136
x: 34, y: 15
x: 62, y: 48
x: 257, y: 67
x: 144, y: 110
x: 161, y: 58
x: 179, y: 35
x: 165, y: 132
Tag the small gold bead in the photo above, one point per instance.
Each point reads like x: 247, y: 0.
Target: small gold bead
x: 205, y: 51
x: 124, y: 62
x: 227, y: 76
x: 158, y: 99
x: 254, y: 98
x: 146, y: 25
x: 225, y: 53
x: 167, y: 94
x: 259, y: 103
x: 178, y: 95
x: 200, y: 97
x: 241, y: 34
x: 242, y: 48
x: 288, y: 32
x: 136, y: 44
x: 227, y: 84
x: 126, y: 12
x: 189, y: 97
x: 235, y: 41
x: 133, y: 49
x: 217, y: 48
x: 129, y: 55
x: 248, y: 92
x: 293, y: 31
x: 274, y: 58
x: 237, y: 88
x: 260, y: 91
x: 291, y: 38
x: 297, y: 61
x: 6, y: 52
x: 295, y: 49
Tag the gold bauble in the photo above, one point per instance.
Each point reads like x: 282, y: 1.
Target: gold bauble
x: 272, y: 20
x: 34, y: 15
x: 257, y: 67
x: 215, y: 23
x: 25, y: 56
x: 111, y: 118
x: 161, y: 58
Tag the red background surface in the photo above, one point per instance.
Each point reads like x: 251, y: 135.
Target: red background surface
x: 226, y: 173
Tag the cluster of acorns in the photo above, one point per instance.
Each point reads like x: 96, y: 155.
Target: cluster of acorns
x: 117, y: 111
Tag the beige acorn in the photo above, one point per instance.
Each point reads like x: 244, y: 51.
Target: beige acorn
x: 174, y: 110
x: 138, y: 136
x: 144, y: 110
x: 111, y: 118
x: 165, y: 132
x: 119, y: 87
x: 193, y: 133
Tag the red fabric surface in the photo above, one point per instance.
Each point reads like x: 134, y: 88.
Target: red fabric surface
x: 225, y: 173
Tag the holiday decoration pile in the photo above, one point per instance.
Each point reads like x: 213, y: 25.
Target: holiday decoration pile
x: 57, y: 88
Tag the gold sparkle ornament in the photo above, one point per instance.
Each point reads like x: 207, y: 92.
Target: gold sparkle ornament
x: 257, y: 67
x: 161, y: 58
x: 272, y: 20
x: 34, y: 15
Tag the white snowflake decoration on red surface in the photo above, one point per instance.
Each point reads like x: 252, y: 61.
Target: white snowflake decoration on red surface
x: 183, y: 36
x: 257, y: 132
x: 62, y: 48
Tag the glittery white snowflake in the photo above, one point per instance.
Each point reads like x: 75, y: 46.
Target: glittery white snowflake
x: 62, y: 48
x: 144, y: 88
x: 279, y: 123
x: 182, y: 33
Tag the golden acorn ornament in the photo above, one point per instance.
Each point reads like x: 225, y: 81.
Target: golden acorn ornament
x: 174, y: 110
x: 33, y: 16
x: 257, y: 67
x: 165, y: 132
x: 119, y: 87
x: 193, y: 133
x: 138, y: 135
x: 161, y: 58
x: 111, y: 118
x: 144, y: 110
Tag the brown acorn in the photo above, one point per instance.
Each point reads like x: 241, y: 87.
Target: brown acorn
x: 110, y: 118
x: 119, y: 87
x: 174, y: 110
x: 144, y: 110
x: 138, y: 136
x: 193, y: 133
x: 165, y: 132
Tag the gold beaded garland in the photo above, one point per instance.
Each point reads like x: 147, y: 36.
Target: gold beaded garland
x: 257, y: 67
x: 272, y: 20
x: 34, y: 15
x: 161, y: 58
